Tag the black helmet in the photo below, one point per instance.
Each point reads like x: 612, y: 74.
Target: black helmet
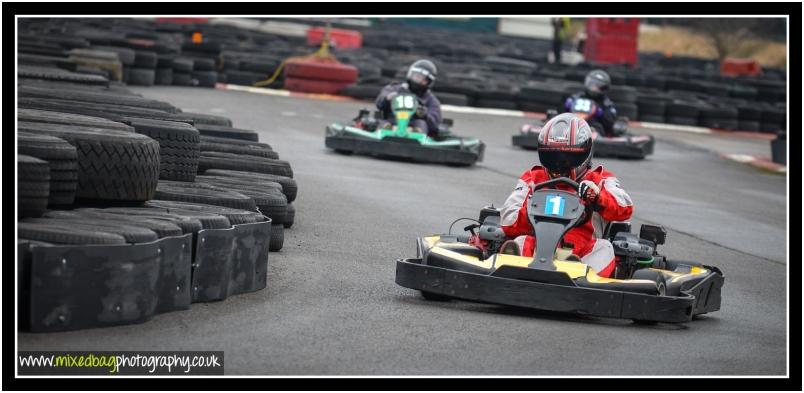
x: 421, y: 76
x: 565, y: 146
x: 597, y: 82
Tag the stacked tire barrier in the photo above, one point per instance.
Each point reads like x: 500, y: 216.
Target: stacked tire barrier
x: 475, y: 69
x: 130, y: 207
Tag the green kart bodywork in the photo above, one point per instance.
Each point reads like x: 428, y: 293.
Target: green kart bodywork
x: 403, y: 141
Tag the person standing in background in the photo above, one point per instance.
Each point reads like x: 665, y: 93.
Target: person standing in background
x: 560, y: 28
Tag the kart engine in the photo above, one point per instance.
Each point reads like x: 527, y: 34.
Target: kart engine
x: 490, y: 229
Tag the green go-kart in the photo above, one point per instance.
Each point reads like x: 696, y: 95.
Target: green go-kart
x: 371, y: 135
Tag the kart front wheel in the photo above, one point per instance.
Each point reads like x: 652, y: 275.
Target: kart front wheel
x: 661, y: 287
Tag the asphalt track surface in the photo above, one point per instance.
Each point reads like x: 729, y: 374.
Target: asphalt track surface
x: 332, y: 307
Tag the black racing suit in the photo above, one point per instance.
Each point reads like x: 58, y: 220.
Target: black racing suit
x: 603, y: 123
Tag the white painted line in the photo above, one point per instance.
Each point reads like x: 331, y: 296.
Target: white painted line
x: 740, y: 157
x: 481, y: 111
x: 674, y: 127
x: 288, y: 114
x: 257, y: 90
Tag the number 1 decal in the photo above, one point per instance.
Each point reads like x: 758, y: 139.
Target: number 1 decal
x: 554, y: 205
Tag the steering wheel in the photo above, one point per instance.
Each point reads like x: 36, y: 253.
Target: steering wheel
x: 587, y: 212
x: 558, y: 180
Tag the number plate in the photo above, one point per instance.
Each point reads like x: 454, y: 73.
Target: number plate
x: 554, y: 205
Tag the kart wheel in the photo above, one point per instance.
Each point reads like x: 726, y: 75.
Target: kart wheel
x: 652, y: 275
x: 434, y: 296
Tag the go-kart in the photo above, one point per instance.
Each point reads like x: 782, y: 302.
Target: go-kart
x: 371, y: 135
x: 621, y: 144
x: 645, y: 287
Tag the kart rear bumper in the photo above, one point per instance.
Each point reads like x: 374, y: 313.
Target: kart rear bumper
x: 413, y: 151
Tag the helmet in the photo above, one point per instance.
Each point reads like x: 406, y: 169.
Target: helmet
x: 597, y: 82
x: 421, y: 76
x: 565, y: 146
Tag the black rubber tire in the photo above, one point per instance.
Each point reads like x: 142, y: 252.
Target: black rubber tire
x: 651, y: 118
x: 145, y: 59
x: 371, y: 91
x: 235, y: 162
x: 179, y: 147
x: 245, y: 78
x: 246, y: 149
x: 232, y: 141
x: 202, y: 118
x: 186, y: 224
x: 277, y: 240
x: 62, y: 159
x: 652, y: 275
x: 162, y: 227
x: 131, y: 233
x: 73, y: 119
x: 62, y: 235
x: 268, y: 198
x: 686, y: 121
x: 141, y: 77
x: 117, y: 113
x: 748, y: 125
x: 164, y: 77
x: 205, y: 78
x: 290, y: 216
x: 289, y: 186
x: 202, y: 193
x: 452, y: 99
x: 57, y: 74
x: 126, y: 55
x: 165, y: 61
x: 207, y: 220
x: 203, y: 64
x: 227, y: 132
x: 33, y: 186
x: 182, y: 78
x: 251, y: 182
x: 493, y: 103
x: 234, y: 216
x: 95, y: 97
x: 681, y: 109
x: 183, y: 65
x: 112, y: 165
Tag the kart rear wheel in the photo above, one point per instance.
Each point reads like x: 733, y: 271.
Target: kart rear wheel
x: 434, y: 296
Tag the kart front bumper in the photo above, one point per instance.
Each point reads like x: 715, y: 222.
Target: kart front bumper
x: 701, y: 298
x: 412, y: 151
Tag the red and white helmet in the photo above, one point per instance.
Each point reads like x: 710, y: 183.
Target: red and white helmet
x: 565, y: 146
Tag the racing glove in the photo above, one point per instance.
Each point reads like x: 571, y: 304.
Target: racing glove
x: 421, y: 112
x: 589, y: 192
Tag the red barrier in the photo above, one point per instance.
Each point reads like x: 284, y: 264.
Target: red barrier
x: 315, y: 85
x: 612, y: 40
x: 340, y: 38
x: 736, y: 67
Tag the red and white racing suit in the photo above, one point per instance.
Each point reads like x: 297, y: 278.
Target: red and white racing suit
x: 613, y: 202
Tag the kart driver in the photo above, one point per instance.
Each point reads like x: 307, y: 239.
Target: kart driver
x: 565, y: 150
x: 596, y: 84
x: 420, y: 78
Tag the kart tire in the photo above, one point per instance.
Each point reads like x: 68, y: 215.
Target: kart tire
x: 185, y: 224
x: 131, y: 233
x: 203, y: 64
x: 289, y: 186
x: 227, y: 132
x: 71, y: 119
x: 205, y: 78
x: 202, y: 118
x: 232, y: 141
x: 65, y: 235
x: 233, y: 216
x: 141, y: 77
x: 277, y: 240
x: 62, y: 158
x: 115, y: 113
x: 112, y: 164
x: 270, y: 200
x: 179, y: 147
x: 164, y: 77
x: 145, y: 59
x: 202, y: 193
x: 235, y: 162
x: 182, y: 78
x: 453, y: 99
x: 652, y: 275
x: 494, y: 103
x: 246, y: 149
x: 182, y: 65
x: 680, y: 120
x: 164, y: 61
x: 99, y: 97
x: 33, y: 72
x: 33, y: 186
x: 290, y: 216
x: 161, y: 227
